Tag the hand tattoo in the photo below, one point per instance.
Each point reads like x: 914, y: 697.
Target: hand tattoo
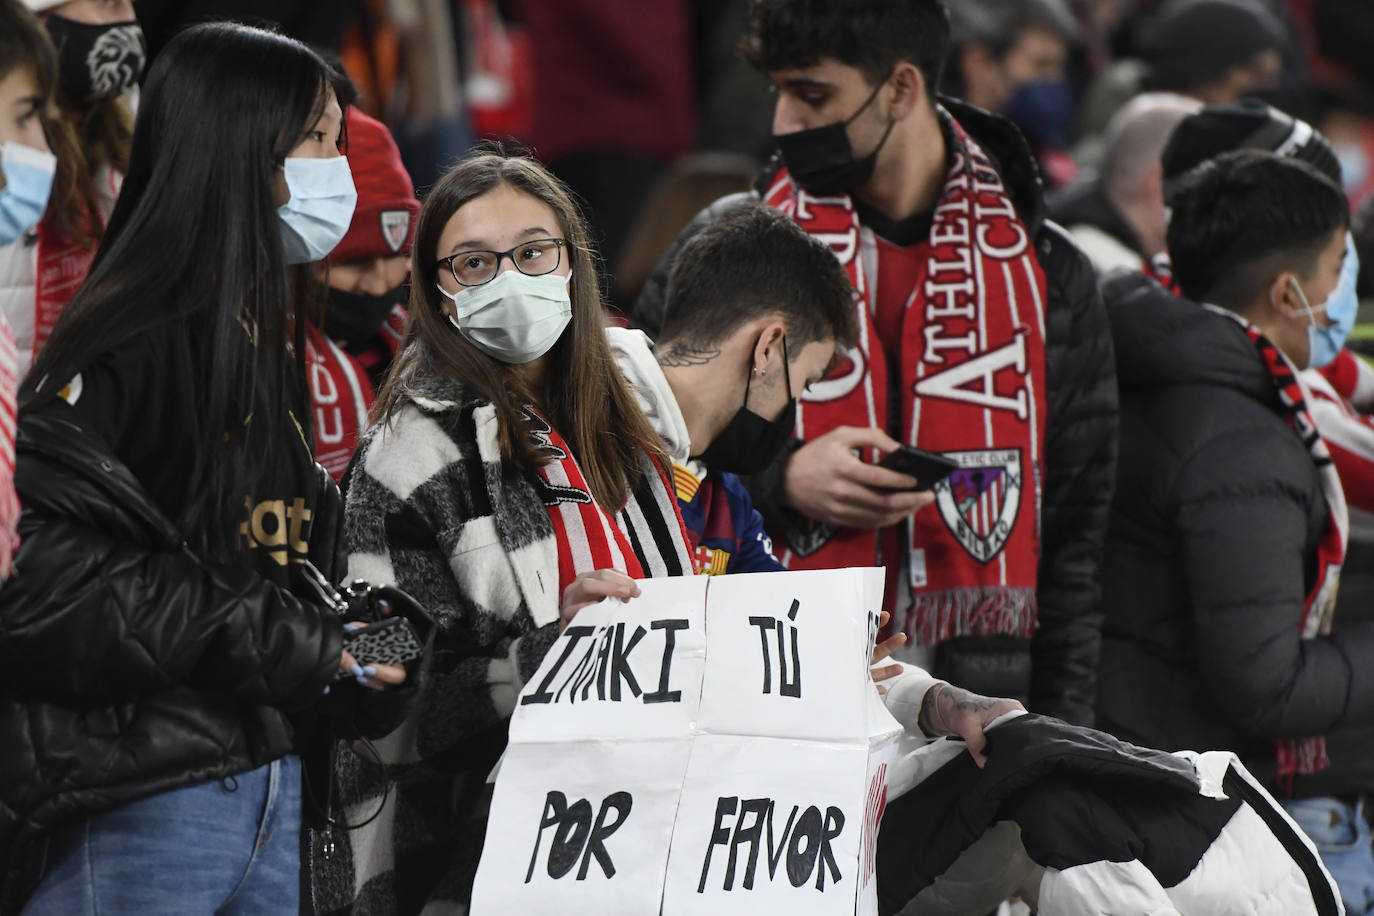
x: 943, y: 703
x: 678, y: 355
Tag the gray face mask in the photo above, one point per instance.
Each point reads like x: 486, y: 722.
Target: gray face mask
x: 514, y: 318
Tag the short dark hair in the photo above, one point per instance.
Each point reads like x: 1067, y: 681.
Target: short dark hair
x: 1242, y: 217
x: 755, y: 262
x: 870, y: 35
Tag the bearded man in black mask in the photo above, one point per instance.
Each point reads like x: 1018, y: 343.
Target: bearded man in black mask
x: 981, y: 336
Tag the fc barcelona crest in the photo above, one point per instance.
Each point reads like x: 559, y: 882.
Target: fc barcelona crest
x: 979, y: 501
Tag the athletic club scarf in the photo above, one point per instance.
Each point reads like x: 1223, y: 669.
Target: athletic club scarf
x: 1307, y: 755
x: 341, y: 394
x: 588, y: 537
x: 971, y: 385
x: 63, y: 265
x: 9, y: 502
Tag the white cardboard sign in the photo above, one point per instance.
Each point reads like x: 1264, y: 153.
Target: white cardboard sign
x: 713, y: 746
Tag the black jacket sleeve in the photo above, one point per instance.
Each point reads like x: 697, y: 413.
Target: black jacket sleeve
x: 1080, y: 475
x: 648, y: 311
x: 1243, y: 531
x: 93, y: 612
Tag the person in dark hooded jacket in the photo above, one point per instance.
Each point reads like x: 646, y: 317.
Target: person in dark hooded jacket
x: 1229, y: 524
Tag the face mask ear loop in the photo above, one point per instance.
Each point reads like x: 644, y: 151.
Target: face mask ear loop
x: 1307, y: 306
x: 873, y: 95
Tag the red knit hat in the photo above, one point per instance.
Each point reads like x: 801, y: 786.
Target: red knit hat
x: 384, y: 219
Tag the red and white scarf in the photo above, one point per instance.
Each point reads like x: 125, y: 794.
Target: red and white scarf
x: 972, y: 386
x: 341, y: 395
x: 9, y: 501
x: 1307, y: 755
x: 63, y: 264
x: 588, y: 537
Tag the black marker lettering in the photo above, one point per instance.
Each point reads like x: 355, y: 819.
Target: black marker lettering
x: 753, y: 834
x: 834, y: 823
x: 585, y: 669
x: 555, y: 806
x: 788, y: 685
x: 543, y: 695
x: 775, y: 853
x: 719, y: 836
x: 620, y: 662
x: 765, y: 625
x: 603, y: 660
x: 569, y: 838
x: 576, y: 838
x: 621, y: 802
x: 801, y: 859
x: 669, y: 628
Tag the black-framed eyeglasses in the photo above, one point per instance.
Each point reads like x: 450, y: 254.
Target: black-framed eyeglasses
x: 533, y: 259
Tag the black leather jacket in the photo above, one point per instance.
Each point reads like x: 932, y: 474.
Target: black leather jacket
x: 128, y: 666
x: 1057, y: 671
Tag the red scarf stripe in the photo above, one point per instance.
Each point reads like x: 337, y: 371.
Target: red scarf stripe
x: 588, y: 538
x: 972, y: 383
x: 9, y: 501
x: 341, y: 395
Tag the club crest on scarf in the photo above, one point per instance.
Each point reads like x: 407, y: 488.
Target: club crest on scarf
x: 980, y: 501
x: 395, y: 225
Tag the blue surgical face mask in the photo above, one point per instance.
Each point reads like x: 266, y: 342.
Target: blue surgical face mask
x: 28, y: 182
x: 1044, y: 112
x: 1354, y: 160
x: 1325, y: 342
x: 320, y: 210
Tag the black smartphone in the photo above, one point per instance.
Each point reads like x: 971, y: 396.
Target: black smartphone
x: 927, y: 467
x: 387, y: 642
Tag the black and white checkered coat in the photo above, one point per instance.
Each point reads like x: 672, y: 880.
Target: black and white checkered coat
x: 432, y: 508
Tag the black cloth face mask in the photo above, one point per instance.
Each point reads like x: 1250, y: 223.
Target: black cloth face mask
x: 822, y: 161
x: 355, y: 318
x: 749, y: 443
x: 98, y: 62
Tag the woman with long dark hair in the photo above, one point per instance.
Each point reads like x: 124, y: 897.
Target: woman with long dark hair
x: 509, y: 480
x: 163, y: 627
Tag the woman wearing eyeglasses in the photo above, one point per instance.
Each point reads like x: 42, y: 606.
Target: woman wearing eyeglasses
x: 509, y: 480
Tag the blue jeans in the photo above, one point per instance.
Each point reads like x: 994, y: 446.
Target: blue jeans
x: 207, y: 848
x: 1342, y: 836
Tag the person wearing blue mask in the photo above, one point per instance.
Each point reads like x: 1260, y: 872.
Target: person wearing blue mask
x: 1011, y: 57
x: 28, y: 69
x: 169, y: 654
x: 1230, y: 524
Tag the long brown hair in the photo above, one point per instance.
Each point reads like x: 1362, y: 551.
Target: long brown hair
x: 586, y: 398
x: 85, y: 139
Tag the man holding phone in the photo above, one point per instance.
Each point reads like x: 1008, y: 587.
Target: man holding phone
x: 982, y: 338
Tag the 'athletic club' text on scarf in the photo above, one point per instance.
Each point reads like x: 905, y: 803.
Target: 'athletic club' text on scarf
x: 972, y: 387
